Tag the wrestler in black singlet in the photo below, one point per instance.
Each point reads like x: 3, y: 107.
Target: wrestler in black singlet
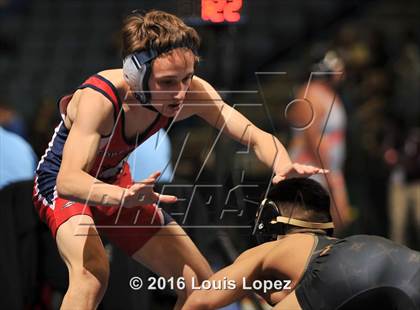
x: 360, y: 272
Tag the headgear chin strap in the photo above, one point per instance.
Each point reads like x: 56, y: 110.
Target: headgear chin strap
x: 269, y: 223
x: 137, y: 68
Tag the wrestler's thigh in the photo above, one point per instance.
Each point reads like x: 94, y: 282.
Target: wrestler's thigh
x: 79, y: 244
x: 169, y: 251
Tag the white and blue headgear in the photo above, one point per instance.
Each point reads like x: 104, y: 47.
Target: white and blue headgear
x: 136, y: 71
x: 137, y: 68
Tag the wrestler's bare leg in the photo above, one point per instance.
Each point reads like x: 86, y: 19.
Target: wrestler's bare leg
x: 171, y: 253
x: 82, y: 250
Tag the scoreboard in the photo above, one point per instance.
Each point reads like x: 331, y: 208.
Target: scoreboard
x: 219, y: 11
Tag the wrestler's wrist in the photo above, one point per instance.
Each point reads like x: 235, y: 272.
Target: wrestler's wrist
x: 126, y: 199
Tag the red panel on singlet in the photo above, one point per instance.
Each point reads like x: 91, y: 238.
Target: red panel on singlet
x: 115, y: 148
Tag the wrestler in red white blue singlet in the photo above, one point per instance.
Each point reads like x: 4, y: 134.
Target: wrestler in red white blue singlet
x: 127, y: 228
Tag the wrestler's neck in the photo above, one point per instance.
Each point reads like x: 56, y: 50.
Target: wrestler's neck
x: 303, y: 231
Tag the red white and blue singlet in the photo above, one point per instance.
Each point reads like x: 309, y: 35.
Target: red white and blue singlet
x: 109, y: 166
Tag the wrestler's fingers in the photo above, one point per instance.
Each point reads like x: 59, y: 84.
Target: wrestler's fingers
x: 307, y: 169
x: 166, y: 198
x: 154, y: 175
x: 300, y: 169
x: 147, y: 181
x: 315, y: 170
x: 278, y: 178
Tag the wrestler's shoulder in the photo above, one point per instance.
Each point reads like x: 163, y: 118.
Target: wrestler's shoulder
x: 115, y: 76
x: 291, y: 242
x: 259, y: 251
x: 200, y: 85
x: 96, y: 100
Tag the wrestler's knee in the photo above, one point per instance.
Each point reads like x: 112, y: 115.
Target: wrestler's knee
x: 91, y: 278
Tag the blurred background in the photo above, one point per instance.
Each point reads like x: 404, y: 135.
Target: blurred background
x: 260, y: 55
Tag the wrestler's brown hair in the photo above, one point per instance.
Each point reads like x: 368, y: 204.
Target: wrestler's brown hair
x: 157, y: 30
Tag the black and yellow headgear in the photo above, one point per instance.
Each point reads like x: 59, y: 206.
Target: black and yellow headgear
x: 271, y: 220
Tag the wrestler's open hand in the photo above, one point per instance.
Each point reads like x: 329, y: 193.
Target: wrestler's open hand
x: 142, y: 193
x: 297, y: 170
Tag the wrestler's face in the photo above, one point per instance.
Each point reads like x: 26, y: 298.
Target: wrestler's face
x: 170, y: 79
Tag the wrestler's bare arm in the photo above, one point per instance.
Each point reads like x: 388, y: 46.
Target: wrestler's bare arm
x: 93, y: 118
x: 281, y: 259
x: 247, y: 267
x: 207, y: 104
x: 93, y: 113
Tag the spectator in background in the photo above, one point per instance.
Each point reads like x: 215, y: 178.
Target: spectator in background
x: 152, y: 155
x: 17, y: 159
x: 403, y: 149
x: 11, y: 121
x: 367, y: 94
x: 319, y: 122
x: 404, y: 193
x: 19, y: 240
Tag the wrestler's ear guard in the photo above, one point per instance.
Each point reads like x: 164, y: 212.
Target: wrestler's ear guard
x: 270, y: 222
x: 263, y: 229
x: 136, y: 70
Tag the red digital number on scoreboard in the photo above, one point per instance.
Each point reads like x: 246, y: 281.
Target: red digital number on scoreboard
x: 218, y: 11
